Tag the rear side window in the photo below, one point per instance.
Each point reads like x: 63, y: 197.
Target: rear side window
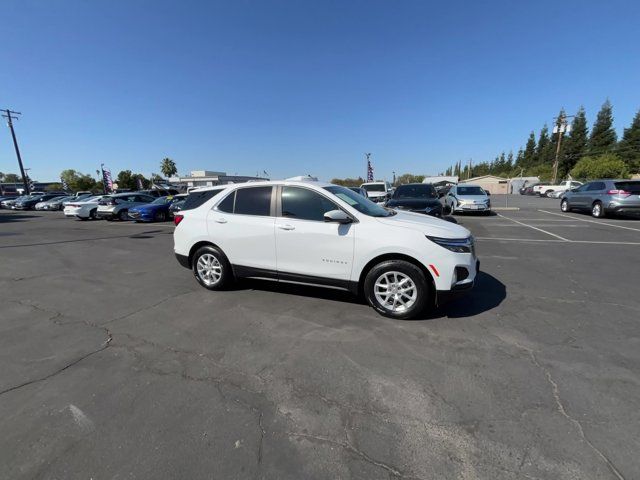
x: 195, y: 199
x: 253, y: 201
x: 226, y: 205
x: 305, y: 204
x: 632, y: 187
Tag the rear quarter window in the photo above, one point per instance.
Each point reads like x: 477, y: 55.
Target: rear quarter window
x: 633, y: 187
x: 195, y: 199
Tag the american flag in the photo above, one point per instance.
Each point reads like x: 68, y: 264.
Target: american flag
x: 65, y: 187
x: 106, y: 179
x: 369, y: 169
x: 139, y: 183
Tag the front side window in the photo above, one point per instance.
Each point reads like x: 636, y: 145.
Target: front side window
x: 305, y: 204
x: 253, y: 201
x: 596, y: 186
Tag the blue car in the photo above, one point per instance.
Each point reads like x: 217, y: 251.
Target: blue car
x: 156, y: 211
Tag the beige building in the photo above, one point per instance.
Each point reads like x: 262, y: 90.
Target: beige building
x: 490, y: 183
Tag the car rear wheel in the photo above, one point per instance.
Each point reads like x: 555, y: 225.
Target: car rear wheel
x: 123, y: 215
x: 160, y: 216
x: 564, y: 205
x: 92, y: 214
x: 397, y: 289
x: 597, y: 210
x: 546, y: 194
x: 211, y: 268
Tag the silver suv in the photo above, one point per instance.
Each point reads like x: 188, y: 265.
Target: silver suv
x: 118, y: 205
x: 602, y: 197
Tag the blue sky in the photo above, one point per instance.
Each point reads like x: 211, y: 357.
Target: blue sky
x: 296, y: 87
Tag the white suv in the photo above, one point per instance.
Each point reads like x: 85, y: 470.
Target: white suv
x: 326, y: 235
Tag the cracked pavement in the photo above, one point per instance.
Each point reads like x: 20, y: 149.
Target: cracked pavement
x: 116, y: 364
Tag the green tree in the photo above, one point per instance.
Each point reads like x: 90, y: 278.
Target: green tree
x: 168, y: 167
x: 530, y: 157
x: 145, y: 183
x: 603, y: 136
x: 348, y: 182
x: 575, y: 144
x: 544, y: 171
x: 409, y: 178
x: 12, y: 178
x: 125, y: 180
x: 77, y: 181
x: 54, y: 187
x: 519, y: 158
x: 544, y: 149
x: 629, y: 146
x: 607, y: 165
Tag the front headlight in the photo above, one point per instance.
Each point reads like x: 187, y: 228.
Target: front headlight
x: 457, y: 245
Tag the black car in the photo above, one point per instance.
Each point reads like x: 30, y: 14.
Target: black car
x: 416, y: 197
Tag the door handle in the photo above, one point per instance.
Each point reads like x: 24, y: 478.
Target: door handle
x: 221, y: 220
x: 286, y: 226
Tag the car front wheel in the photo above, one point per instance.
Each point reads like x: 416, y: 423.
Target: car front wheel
x: 597, y: 210
x: 397, y: 289
x: 211, y: 268
x: 564, y: 205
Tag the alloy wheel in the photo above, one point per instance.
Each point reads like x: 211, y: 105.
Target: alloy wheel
x: 395, y: 291
x: 209, y: 269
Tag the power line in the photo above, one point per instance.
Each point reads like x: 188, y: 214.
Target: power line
x: 9, y: 115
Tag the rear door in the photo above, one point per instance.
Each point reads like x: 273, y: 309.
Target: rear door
x: 596, y: 191
x: 242, y: 225
x: 308, y: 249
x: 578, y: 198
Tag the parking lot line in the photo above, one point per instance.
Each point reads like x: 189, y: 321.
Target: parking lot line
x: 550, y: 240
x: 535, y: 228
x: 590, y: 221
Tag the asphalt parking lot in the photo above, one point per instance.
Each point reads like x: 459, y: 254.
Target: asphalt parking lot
x: 116, y: 364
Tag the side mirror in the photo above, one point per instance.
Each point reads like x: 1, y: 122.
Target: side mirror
x: 337, y: 216
x: 487, y: 192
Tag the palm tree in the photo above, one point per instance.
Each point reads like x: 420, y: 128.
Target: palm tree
x: 168, y: 167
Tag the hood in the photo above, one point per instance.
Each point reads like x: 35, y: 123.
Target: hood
x: 472, y: 198
x: 413, y: 203
x: 432, y: 226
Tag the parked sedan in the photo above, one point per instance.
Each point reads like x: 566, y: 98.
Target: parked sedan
x: 156, y: 211
x: 468, y: 198
x: 83, y: 210
x: 29, y: 202
x: 54, y: 203
x: 603, y: 197
x: 178, y: 203
x: 117, y: 206
x: 416, y: 197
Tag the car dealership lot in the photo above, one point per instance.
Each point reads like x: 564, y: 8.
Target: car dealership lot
x: 117, y: 364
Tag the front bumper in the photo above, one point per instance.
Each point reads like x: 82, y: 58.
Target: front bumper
x: 183, y: 260
x: 458, y: 289
x: 473, y: 208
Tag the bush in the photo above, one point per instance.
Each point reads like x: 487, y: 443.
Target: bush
x: 607, y: 165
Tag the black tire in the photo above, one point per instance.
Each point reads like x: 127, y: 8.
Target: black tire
x: 226, y: 274
x: 123, y: 215
x: 597, y: 210
x: 564, y: 205
x: 546, y: 194
x: 92, y: 214
x: 160, y: 216
x: 423, y: 292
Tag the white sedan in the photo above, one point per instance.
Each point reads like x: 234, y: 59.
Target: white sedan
x: 84, y: 210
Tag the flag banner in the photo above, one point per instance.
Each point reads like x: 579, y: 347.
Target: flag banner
x: 65, y: 187
x: 106, y: 180
x: 369, y: 171
x: 139, y: 183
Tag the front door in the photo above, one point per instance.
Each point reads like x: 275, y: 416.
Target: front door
x: 308, y: 249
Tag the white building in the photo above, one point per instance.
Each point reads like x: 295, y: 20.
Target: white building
x: 208, y: 178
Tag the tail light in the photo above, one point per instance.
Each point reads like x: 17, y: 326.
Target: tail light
x: 177, y: 219
x: 620, y: 193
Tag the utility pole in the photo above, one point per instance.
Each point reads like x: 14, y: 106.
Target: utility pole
x: 561, y: 127
x: 9, y: 115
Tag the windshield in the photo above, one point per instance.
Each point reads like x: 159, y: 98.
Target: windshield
x: 470, y: 191
x: 375, y: 187
x: 161, y: 200
x: 357, y: 201
x: 415, y: 191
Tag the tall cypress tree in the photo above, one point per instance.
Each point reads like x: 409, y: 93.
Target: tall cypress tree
x: 519, y: 158
x: 509, y: 165
x: 530, y: 157
x: 629, y: 146
x: 603, y: 137
x: 575, y: 144
x: 542, y: 149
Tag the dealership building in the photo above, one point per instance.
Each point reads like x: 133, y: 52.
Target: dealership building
x: 207, y: 178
